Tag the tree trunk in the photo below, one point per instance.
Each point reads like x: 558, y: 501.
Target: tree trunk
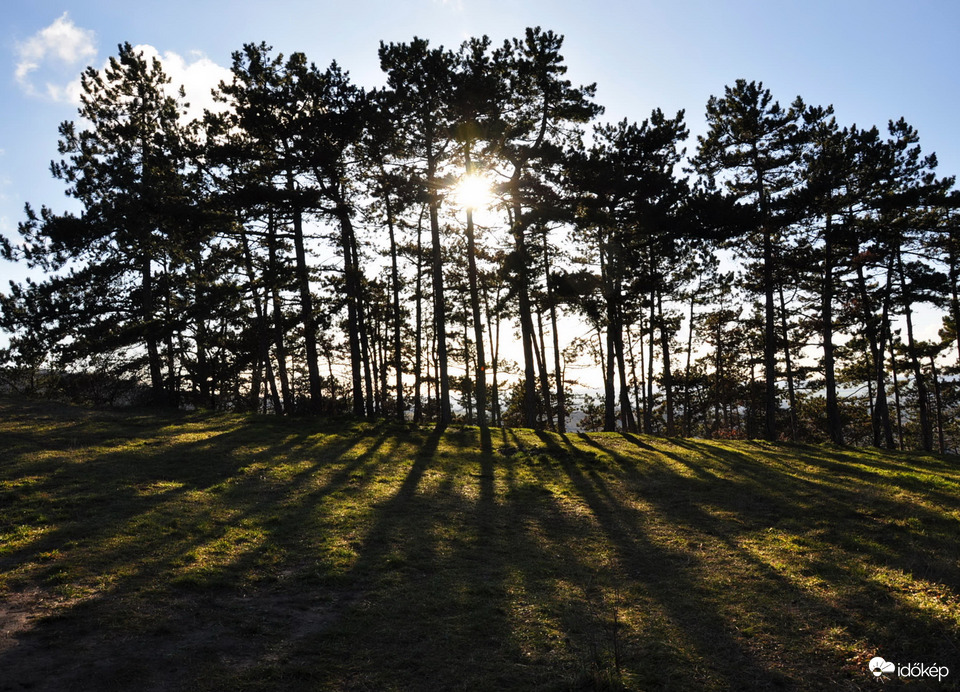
x: 445, y: 415
x: 150, y: 331
x: 263, y: 338
x: 494, y: 336
x: 523, y: 298
x: 651, y: 325
x: 896, y: 394
x: 942, y: 445
x: 354, y: 326
x: 834, y: 423
x: 926, y: 429
x: 687, y: 412
x: 278, y: 326
x: 541, y: 355
x: 626, y: 409
x: 361, y: 312
x: 788, y: 364
x: 667, y: 373
x: 481, y: 378
x: 880, y: 414
x: 418, y: 350
x: 609, y: 386
x: 397, y: 322
x: 558, y: 373
x: 306, y: 304
x: 769, y: 341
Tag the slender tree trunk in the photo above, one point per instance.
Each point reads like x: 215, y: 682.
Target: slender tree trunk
x: 397, y: 322
x: 523, y: 299
x: 643, y: 405
x: 626, y: 409
x: 263, y: 338
x: 202, y: 340
x: 788, y: 364
x: 354, y: 326
x: 374, y: 396
x: 667, y: 373
x: 278, y: 326
x: 941, y: 440
x: 883, y: 408
x: 494, y: 336
x: 540, y: 351
x: 445, y: 414
x: 687, y: 412
x: 651, y: 325
x: 926, y: 429
x: 880, y: 414
x: 481, y: 370
x: 150, y: 330
x: 468, y: 394
x: 769, y: 341
x: 637, y: 389
x: 896, y: 393
x: 361, y: 312
x: 173, y: 388
x: 609, y: 398
x: 609, y: 386
x: 834, y: 422
x: 769, y: 313
x: 306, y: 305
x: 558, y: 374
x: 719, y: 397
x: 418, y: 336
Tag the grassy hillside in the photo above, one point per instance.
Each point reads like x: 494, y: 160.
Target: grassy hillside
x: 167, y: 552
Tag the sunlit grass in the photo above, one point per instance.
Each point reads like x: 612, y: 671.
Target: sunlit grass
x: 264, y: 553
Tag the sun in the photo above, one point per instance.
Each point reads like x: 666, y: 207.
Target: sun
x: 473, y: 192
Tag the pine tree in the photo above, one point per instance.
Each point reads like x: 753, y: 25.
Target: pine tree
x: 125, y: 164
x: 422, y: 81
x: 541, y: 114
x: 266, y: 127
x: 751, y: 146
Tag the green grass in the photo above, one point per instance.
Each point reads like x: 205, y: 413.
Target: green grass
x: 215, y: 552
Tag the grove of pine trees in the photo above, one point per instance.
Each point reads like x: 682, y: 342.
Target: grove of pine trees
x: 306, y: 249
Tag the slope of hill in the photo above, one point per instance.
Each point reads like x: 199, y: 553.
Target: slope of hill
x: 172, y: 551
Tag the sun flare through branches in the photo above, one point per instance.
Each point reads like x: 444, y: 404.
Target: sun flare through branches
x: 473, y: 192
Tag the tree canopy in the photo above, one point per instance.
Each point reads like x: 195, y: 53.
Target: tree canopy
x: 310, y: 248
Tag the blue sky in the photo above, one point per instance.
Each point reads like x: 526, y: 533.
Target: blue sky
x: 873, y: 60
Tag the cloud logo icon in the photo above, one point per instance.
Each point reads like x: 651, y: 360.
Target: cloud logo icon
x: 878, y: 666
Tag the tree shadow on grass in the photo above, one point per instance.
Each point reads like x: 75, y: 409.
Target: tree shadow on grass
x: 429, y: 609
x: 657, y: 569
x: 826, y: 552
x: 147, y: 553
x: 389, y: 558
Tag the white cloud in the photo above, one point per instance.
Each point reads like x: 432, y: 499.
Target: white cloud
x: 61, y: 46
x: 54, y: 55
x: 198, y: 76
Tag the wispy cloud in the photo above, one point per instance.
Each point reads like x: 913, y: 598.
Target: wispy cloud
x: 61, y: 46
